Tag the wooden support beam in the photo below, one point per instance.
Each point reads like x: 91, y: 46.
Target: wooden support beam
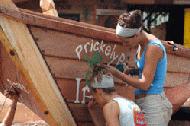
x: 18, y: 42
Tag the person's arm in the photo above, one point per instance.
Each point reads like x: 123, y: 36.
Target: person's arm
x: 111, y: 114
x: 8, y: 119
x: 152, y: 56
x: 13, y: 93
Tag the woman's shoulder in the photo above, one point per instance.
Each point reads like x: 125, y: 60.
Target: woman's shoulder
x: 154, y: 51
x: 154, y: 41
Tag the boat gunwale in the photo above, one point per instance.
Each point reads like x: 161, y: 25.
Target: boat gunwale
x: 80, y: 28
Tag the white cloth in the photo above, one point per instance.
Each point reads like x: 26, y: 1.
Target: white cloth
x: 106, y: 82
x: 126, y: 115
x: 126, y: 32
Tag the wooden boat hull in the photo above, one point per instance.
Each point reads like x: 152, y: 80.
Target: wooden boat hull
x: 62, y: 45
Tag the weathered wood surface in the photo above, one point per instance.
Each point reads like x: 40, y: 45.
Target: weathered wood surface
x: 79, y: 28
x: 96, y: 113
x: 177, y: 78
x: 64, y: 45
x: 58, y: 39
x: 178, y: 95
x: 66, y: 66
x: 9, y: 71
x: 178, y: 64
x: 81, y: 114
x: 53, y: 116
x: 55, y: 48
x: 17, y: 41
x: 68, y: 89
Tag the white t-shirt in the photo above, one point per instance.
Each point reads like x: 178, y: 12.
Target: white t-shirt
x: 126, y: 114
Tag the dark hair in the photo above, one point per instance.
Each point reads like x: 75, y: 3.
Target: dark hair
x: 132, y: 19
x: 98, y: 72
x: 106, y: 90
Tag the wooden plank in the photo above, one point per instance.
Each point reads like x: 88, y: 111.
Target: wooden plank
x: 178, y: 64
x: 66, y: 68
x: 76, y: 46
x: 174, y: 79
x: 69, y: 88
x: 57, y: 42
x: 29, y: 17
x: 9, y: 71
x: 18, y: 42
x: 97, y: 115
x: 69, y: 68
x: 79, y: 28
x: 80, y: 112
x: 32, y: 91
x: 178, y: 95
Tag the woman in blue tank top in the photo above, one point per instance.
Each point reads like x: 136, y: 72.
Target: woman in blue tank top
x: 151, y: 61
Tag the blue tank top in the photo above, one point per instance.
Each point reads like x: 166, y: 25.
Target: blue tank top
x: 160, y: 74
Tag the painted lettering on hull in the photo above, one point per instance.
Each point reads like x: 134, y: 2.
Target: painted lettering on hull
x: 105, y: 49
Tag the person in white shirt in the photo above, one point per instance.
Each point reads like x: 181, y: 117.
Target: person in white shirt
x: 117, y: 110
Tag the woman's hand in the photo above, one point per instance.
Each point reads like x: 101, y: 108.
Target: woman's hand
x: 113, y: 70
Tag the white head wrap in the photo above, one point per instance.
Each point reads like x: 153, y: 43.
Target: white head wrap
x: 106, y: 82
x: 126, y: 32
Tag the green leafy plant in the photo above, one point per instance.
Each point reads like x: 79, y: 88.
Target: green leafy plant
x: 91, y: 61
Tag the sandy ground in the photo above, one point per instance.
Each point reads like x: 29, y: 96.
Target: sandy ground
x: 23, y: 116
